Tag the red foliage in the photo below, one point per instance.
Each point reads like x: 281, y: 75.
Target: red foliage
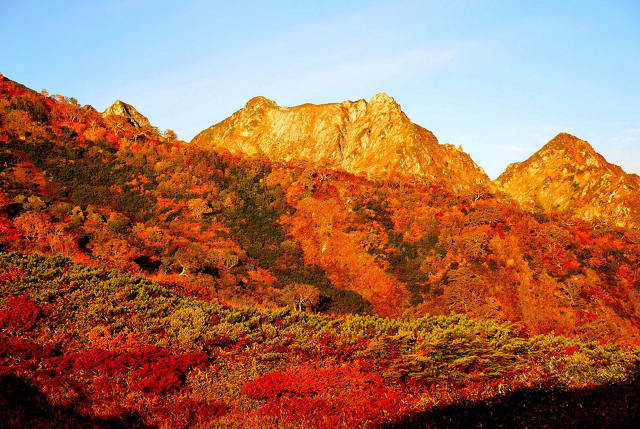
x: 19, y: 313
x: 349, y: 396
x: 25, y: 349
x: 11, y: 275
x: 570, y: 350
x: 8, y: 233
x: 189, y: 412
x: 156, y: 370
x: 166, y: 373
x: 21, y: 353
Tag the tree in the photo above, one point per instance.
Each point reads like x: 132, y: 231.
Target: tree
x: 170, y: 135
x: 301, y: 296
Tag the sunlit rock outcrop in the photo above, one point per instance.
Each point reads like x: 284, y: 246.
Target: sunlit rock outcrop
x: 127, y: 111
x: 568, y: 174
x: 373, y: 139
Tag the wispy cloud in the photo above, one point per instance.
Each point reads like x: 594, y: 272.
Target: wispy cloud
x: 312, y: 66
x: 627, y: 157
x: 370, y: 71
x: 624, y: 150
x: 628, y: 137
x: 513, y: 148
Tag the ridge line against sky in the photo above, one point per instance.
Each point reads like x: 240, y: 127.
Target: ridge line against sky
x: 499, y: 78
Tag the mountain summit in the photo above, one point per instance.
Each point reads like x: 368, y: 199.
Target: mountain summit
x: 374, y: 139
x: 568, y: 174
x: 127, y: 111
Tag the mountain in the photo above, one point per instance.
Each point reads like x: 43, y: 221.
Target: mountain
x: 568, y: 174
x: 249, y: 231
x: 127, y: 111
x: 215, y: 290
x: 375, y: 139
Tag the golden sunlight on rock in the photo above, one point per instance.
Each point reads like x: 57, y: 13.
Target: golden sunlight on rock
x: 374, y: 139
x: 568, y: 174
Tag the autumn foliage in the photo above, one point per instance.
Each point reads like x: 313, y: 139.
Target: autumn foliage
x: 144, y: 276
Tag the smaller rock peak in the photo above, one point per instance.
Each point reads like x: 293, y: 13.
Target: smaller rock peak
x: 566, y: 137
x: 569, y: 143
x: 120, y: 108
x: 260, y: 102
x: 382, y: 98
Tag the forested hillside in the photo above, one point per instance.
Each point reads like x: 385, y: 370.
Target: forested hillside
x: 149, y: 281
x: 247, y: 231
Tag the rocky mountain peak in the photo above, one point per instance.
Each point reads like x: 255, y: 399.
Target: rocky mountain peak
x: 382, y: 103
x: 572, y: 148
x: 383, y: 99
x: 260, y: 102
x: 567, y: 141
x: 120, y: 108
x: 374, y: 139
x: 568, y: 174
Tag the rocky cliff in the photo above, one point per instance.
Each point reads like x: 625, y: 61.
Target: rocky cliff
x: 568, y: 174
x: 127, y: 111
x: 374, y: 139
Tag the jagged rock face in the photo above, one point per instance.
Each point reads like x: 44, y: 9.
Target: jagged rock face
x: 120, y: 108
x: 568, y: 174
x: 374, y: 139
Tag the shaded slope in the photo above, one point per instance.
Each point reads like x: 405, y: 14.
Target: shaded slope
x: 601, y: 407
x: 24, y: 406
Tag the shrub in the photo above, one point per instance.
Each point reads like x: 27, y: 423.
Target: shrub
x: 19, y: 313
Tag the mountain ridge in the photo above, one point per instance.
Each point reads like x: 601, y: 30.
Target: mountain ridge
x: 377, y: 140
x: 372, y: 138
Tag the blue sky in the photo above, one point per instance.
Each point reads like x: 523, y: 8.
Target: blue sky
x: 499, y: 78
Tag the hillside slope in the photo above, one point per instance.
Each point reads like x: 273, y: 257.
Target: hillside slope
x: 93, y: 347
x: 251, y: 232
